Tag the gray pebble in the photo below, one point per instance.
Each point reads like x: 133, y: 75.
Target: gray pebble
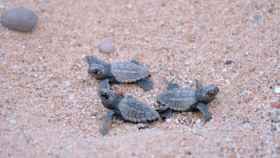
x: 106, y: 46
x: 228, y: 62
x: 19, y: 19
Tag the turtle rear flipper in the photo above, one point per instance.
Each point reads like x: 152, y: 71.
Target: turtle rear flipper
x: 135, y: 62
x: 106, y: 123
x: 166, y: 114
x: 146, y: 84
x: 94, y: 60
x: 203, y: 108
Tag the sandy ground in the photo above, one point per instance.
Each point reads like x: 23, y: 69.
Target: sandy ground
x: 49, y: 106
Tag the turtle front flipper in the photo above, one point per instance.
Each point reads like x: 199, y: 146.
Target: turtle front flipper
x: 146, y: 84
x: 104, y: 85
x: 203, y: 108
x: 106, y: 123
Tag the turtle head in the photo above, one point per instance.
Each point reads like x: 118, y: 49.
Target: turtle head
x: 109, y: 98
x: 207, y: 93
x: 97, y: 68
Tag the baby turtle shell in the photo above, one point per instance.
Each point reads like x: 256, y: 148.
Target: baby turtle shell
x: 136, y: 111
x: 187, y: 99
x: 129, y: 71
x: 178, y: 99
x: 125, y: 107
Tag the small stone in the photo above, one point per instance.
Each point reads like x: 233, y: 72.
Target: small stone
x: 19, y: 19
x: 229, y: 62
x: 106, y: 46
x: 188, y: 153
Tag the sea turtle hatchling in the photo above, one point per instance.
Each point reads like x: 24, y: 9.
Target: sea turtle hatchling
x: 187, y: 99
x: 125, y: 107
x: 130, y: 71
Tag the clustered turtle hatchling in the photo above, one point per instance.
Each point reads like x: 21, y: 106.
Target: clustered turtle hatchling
x: 187, y: 99
x: 130, y: 109
x: 125, y: 107
x: 120, y: 72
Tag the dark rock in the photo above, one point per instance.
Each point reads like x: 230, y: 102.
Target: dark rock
x: 228, y: 62
x: 19, y: 19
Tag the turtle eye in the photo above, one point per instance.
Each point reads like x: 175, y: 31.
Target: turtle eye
x: 96, y: 71
x: 93, y: 71
x: 104, y: 95
x: 99, y: 72
x: 210, y: 94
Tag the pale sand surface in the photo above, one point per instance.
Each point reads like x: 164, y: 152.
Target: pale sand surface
x: 49, y: 106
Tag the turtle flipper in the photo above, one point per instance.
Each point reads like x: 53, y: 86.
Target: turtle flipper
x: 104, y: 85
x: 198, y: 84
x: 88, y: 59
x: 106, y: 123
x: 172, y: 85
x: 164, y: 112
x: 162, y: 109
x: 146, y: 84
x: 93, y: 60
x: 135, y: 62
x: 203, y: 108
